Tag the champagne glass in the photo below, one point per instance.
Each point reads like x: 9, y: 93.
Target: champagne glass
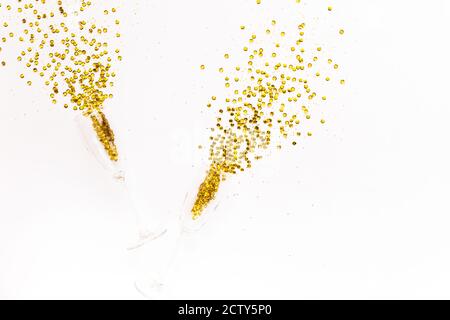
x: 145, y: 232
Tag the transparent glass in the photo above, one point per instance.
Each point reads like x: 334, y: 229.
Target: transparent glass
x: 145, y: 232
x: 156, y: 260
x: 158, y: 243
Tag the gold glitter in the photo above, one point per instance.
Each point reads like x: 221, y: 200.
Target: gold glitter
x: 263, y: 107
x: 207, y: 190
x: 71, y: 55
x: 104, y: 133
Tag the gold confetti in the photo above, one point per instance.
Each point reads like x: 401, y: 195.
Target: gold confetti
x: 269, y: 101
x: 68, y: 54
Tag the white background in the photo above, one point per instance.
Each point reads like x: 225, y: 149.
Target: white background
x: 360, y: 210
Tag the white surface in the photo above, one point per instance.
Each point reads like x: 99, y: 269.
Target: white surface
x: 359, y: 211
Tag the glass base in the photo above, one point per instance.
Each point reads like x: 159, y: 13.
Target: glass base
x: 152, y: 288
x: 146, y: 236
x: 154, y: 262
x: 157, y: 258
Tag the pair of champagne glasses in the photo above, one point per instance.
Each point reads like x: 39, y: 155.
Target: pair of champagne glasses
x: 158, y: 241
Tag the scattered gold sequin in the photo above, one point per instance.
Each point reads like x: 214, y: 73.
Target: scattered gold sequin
x: 269, y: 101
x: 70, y: 54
